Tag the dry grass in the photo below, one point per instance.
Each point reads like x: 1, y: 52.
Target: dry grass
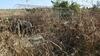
x: 50, y: 35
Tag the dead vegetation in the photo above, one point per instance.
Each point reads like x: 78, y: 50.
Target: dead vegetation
x: 42, y: 33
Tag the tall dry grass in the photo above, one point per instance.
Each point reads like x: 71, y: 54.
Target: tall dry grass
x: 51, y: 35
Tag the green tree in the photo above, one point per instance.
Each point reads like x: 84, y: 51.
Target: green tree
x: 74, y: 6
x: 60, y: 4
x: 65, y: 8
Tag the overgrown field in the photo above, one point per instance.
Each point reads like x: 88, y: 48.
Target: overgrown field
x: 44, y: 33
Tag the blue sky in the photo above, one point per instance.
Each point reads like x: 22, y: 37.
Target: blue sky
x: 12, y: 3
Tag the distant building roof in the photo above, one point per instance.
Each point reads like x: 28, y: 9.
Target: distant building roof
x: 30, y: 6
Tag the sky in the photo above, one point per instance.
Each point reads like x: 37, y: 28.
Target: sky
x: 12, y: 3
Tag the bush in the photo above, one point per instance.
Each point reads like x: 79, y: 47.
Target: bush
x: 66, y: 9
x: 21, y: 27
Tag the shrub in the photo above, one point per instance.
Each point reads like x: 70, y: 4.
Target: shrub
x: 66, y: 9
x: 21, y: 27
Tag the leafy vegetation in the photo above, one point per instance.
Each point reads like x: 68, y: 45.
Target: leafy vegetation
x: 65, y: 8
